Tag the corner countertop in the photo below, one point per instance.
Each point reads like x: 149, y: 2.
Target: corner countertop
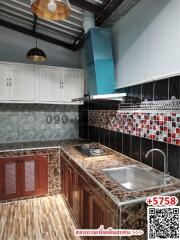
x: 38, y: 144
x: 93, y: 167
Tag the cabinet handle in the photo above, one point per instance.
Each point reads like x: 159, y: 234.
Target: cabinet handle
x: 10, y: 84
x: 7, y: 84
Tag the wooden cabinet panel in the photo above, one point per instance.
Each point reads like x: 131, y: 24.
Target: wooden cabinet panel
x: 68, y: 184
x: 10, y: 187
x: 1, y: 180
x: 88, y: 208
x: 23, y: 176
x: 10, y: 178
x: 29, y: 170
x: 41, y: 174
x: 85, y: 195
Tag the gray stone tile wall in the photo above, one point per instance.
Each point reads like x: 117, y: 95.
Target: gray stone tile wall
x: 38, y: 122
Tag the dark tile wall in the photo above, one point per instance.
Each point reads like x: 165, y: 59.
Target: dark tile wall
x: 133, y: 146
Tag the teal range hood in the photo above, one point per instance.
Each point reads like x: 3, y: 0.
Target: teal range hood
x: 99, y: 60
x: 100, y: 66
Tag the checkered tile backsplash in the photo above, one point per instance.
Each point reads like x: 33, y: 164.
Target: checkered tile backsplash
x: 159, y: 126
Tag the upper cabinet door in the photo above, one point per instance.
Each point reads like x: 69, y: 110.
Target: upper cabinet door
x: 49, y: 85
x: 67, y: 86
x: 73, y: 85
x: 78, y: 84
x: 4, y: 82
x: 22, y: 84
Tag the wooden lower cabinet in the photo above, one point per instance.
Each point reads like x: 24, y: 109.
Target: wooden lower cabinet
x: 88, y: 208
x: 23, y: 176
x: 70, y: 188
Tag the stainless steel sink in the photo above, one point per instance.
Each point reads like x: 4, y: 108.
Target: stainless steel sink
x: 135, y: 177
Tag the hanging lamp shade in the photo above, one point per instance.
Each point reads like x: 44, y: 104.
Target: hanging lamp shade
x: 36, y: 54
x: 52, y: 10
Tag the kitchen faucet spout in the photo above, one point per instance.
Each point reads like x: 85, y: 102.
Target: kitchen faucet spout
x: 165, y: 160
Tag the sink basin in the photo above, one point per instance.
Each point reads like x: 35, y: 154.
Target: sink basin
x: 135, y: 178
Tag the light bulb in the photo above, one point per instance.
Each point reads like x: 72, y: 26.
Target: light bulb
x: 52, y: 6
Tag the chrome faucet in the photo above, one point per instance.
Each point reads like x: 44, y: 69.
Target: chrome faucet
x: 165, y: 160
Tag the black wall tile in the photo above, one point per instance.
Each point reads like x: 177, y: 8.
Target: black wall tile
x: 112, y: 140
x: 126, y: 144
x: 91, y: 133
x: 136, y: 93
x: 174, y: 160
x: 161, y: 89
x: 106, y: 137
x: 174, y: 87
x: 119, y: 142
x: 101, y: 135
x: 147, y: 91
x: 158, y: 160
x: 128, y: 91
x: 146, y: 145
x: 97, y: 134
x: 136, y: 148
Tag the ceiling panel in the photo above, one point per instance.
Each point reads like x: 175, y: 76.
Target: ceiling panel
x: 70, y: 30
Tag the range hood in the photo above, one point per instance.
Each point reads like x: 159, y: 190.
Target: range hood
x: 113, y: 96
x: 99, y: 67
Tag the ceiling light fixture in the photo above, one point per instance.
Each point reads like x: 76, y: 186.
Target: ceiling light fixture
x: 36, y: 54
x: 52, y: 6
x: 52, y: 10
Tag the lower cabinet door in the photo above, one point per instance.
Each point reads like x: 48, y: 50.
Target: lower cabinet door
x: 29, y: 167
x: 9, y: 179
x: 23, y: 176
x: 85, y: 196
x: 41, y: 173
x: 99, y: 215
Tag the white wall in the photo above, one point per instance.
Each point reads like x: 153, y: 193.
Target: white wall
x: 14, y: 46
x: 147, y: 42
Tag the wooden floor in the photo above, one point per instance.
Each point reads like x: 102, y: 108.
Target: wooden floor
x: 37, y: 219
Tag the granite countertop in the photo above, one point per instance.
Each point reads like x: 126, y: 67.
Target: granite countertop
x: 38, y: 144
x: 93, y: 166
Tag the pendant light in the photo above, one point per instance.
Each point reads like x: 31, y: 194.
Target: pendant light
x: 36, y: 54
x: 52, y: 10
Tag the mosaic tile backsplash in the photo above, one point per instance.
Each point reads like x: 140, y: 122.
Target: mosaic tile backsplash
x: 36, y: 122
x: 159, y: 126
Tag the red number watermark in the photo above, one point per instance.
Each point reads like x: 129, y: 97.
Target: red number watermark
x: 162, y: 201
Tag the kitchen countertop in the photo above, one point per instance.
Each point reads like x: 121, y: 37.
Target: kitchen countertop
x: 93, y: 167
x: 38, y: 144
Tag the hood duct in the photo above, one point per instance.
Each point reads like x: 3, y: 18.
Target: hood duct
x: 88, y: 21
x: 99, y: 68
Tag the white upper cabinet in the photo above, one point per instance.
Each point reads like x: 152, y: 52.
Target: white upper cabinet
x: 60, y: 85
x: 67, y: 86
x: 40, y: 84
x: 22, y: 83
x: 73, y: 85
x: 49, y: 84
x: 17, y: 83
x: 78, y: 84
x: 4, y: 83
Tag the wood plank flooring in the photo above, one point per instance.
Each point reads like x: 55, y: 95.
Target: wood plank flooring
x: 38, y: 219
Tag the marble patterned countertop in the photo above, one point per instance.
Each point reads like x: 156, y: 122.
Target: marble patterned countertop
x: 93, y: 166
